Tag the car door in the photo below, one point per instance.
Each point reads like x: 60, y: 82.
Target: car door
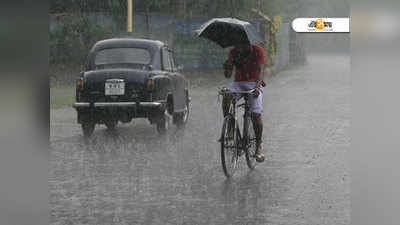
x: 179, y: 93
x: 163, y: 80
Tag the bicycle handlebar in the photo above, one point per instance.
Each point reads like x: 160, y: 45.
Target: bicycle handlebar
x: 226, y: 91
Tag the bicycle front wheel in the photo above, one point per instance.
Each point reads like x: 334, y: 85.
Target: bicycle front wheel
x: 229, y: 146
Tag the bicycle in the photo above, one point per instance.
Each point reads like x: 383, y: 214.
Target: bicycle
x: 233, y: 142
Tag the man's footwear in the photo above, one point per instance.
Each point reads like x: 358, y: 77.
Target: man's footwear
x: 259, y: 155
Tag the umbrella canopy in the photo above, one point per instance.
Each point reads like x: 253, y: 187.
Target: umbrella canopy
x: 228, y: 32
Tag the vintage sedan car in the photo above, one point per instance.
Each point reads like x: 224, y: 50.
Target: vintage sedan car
x: 130, y: 78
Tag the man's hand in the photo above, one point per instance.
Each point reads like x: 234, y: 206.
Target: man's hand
x: 259, y: 84
x: 256, y: 92
x: 228, y: 68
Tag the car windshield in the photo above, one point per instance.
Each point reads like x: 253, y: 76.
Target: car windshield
x: 136, y: 58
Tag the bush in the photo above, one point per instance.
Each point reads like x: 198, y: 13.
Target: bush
x: 72, y: 38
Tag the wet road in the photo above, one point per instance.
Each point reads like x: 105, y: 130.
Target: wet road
x: 133, y: 176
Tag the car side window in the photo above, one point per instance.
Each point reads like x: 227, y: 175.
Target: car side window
x: 166, y: 60
x: 171, y: 57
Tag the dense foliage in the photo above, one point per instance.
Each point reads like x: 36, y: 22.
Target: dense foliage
x: 77, y: 24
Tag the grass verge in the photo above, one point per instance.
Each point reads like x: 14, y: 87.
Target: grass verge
x: 62, y: 96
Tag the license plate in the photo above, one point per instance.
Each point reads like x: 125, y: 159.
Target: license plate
x: 115, y: 87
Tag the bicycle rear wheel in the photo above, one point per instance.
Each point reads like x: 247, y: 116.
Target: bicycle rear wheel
x: 250, y: 141
x: 229, y: 146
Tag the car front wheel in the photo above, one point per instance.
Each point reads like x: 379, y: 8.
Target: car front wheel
x: 163, y: 124
x: 182, y: 118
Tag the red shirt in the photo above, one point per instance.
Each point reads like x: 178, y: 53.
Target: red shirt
x: 247, y: 67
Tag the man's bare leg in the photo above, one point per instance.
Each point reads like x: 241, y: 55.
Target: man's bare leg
x: 258, y: 130
x: 226, y: 102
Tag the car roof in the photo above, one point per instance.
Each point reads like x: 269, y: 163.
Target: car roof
x: 152, y: 46
x: 128, y: 42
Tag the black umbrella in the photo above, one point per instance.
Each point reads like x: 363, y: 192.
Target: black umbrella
x: 228, y: 32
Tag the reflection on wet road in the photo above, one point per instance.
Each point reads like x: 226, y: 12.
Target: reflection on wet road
x: 134, y: 176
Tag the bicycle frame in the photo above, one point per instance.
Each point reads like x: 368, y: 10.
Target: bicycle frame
x: 242, y: 139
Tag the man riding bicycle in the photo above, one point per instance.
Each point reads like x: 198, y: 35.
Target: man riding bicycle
x: 248, y: 61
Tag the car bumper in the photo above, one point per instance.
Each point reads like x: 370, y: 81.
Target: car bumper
x: 83, y: 105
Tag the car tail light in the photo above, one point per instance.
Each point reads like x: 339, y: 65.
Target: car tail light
x: 79, y: 83
x: 149, y: 84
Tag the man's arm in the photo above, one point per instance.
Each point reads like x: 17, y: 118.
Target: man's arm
x: 228, y: 66
x: 260, y: 79
x: 228, y: 69
x: 260, y: 67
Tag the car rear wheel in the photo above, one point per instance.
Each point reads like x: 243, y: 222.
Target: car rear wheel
x: 111, y: 124
x: 88, y: 128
